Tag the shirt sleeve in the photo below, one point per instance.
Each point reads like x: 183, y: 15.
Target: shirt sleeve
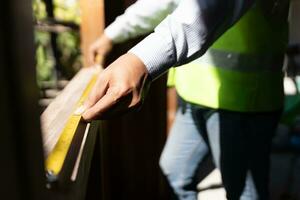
x: 140, y: 18
x: 188, y: 32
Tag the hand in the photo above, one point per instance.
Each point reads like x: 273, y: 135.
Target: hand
x: 119, y: 88
x: 99, y: 49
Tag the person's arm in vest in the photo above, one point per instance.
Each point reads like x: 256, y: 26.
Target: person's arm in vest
x: 138, y: 19
x: 181, y: 37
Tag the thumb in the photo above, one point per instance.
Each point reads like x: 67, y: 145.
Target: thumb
x: 95, y: 95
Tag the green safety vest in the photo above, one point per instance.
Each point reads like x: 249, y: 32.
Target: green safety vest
x: 242, y: 70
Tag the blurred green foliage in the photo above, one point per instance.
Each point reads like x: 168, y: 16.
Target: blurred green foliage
x: 68, y: 42
x: 44, y: 60
x: 39, y: 9
x: 67, y: 10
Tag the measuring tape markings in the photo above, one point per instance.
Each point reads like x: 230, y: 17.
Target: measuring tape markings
x: 55, y: 160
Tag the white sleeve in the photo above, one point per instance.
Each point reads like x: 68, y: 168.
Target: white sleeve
x: 188, y: 32
x: 140, y: 18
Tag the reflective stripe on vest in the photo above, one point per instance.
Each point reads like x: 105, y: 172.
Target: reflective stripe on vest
x: 242, y: 69
x: 216, y: 87
x: 241, y: 62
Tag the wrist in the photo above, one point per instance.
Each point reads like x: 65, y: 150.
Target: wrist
x: 136, y: 64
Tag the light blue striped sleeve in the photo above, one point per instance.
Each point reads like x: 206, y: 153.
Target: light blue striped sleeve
x: 140, y: 18
x: 188, y: 32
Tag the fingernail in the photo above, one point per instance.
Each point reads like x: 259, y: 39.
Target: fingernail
x: 80, y: 110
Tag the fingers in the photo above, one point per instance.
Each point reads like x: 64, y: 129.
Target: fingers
x: 119, y: 88
x: 97, y: 110
x: 96, y: 57
x: 99, y: 59
x: 97, y: 93
x: 99, y: 49
x: 92, y: 54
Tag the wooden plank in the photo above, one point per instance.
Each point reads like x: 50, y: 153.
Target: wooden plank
x: 76, y: 190
x: 92, y: 24
x: 55, y: 117
x: 57, y: 113
x: 21, y: 146
x: 73, y: 181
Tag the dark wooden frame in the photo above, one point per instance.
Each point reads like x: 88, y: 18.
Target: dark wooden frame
x: 21, y: 148
x: 20, y: 144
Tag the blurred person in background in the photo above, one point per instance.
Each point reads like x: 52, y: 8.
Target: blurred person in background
x: 230, y: 97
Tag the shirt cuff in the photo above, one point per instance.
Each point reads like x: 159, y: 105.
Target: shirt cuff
x: 156, y: 53
x: 114, y: 33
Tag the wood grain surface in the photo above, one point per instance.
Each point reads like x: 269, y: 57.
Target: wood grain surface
x: 57, y: 113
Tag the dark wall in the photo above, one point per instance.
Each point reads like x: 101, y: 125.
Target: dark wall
x: 20, y: 144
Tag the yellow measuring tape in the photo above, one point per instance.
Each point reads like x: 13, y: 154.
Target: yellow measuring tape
x: 56, y: 158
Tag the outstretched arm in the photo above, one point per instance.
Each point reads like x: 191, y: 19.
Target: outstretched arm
x: 188, y: 32
x: 140, y: 18
x: 181, y: 37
